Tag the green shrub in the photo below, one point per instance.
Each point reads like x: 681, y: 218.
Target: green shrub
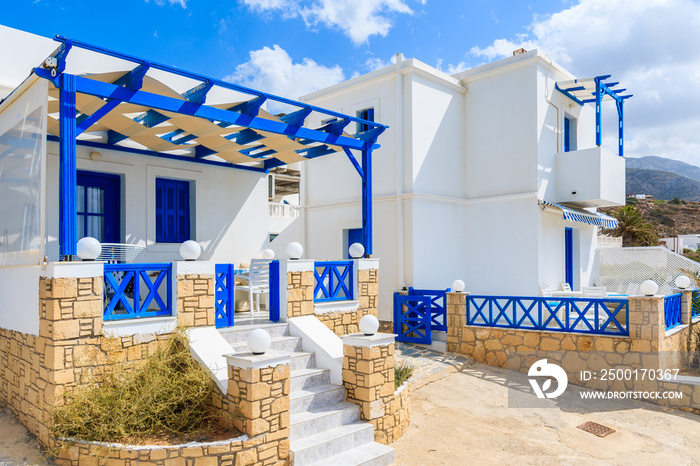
x: 658, y: 201
x: 402, y: 372
x: 167, y: 396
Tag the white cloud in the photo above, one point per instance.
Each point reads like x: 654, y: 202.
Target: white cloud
x: 273, y: 70
x: 182, y: 3
x: 357, y: 19
x: 649, y: 46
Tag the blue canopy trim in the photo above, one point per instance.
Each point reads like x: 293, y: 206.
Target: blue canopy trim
x: 582, y: 216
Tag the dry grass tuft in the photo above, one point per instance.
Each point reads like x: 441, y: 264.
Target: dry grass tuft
x: 167, y: 396
x: 402, y: 372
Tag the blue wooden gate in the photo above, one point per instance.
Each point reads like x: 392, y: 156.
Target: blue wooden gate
x: 224, y: 301
x: 438, y: 307
x: 412, y: 318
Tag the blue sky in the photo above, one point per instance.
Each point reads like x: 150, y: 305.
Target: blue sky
x: 292, y: 47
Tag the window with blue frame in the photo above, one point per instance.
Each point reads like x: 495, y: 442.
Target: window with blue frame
x: 98, y: 206
x: 172, y: 210
x: 366, y: 114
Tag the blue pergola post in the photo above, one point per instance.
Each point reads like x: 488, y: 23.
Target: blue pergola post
x: 67, y: 210
x: 367, y: 197
x: 620, y: 136
x: 598, y: 100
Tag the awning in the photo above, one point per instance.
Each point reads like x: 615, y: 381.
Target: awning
x: 582, y: 216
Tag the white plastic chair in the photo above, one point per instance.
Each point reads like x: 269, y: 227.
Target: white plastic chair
x: 565, y: 287
x: 258, y: 279
x: 546, y: 291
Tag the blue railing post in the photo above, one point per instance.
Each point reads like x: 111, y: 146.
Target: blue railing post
x: 274, y: 283
x: 672, y: 310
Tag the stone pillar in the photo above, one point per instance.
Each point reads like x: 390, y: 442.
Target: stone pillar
x: 194, y: 283
x: 456, y: 321
x: 367, y: 287
x: 368, y: 377
x: 258, y: 391
x: 70, y: 326
x: 646, y: 322
x: 300, y: 288
x: 686, y: 306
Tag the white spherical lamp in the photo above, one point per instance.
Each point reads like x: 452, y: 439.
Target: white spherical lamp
x: 258, y: 341
x: 268, y: 254
x: 356, y: 250
x: 190, y: 250
x: 369, y: 325
x: 88, y: 249
x: 682, y: 282
x: 649, y: 288
x: 458, y: 286
x: 294, y: 250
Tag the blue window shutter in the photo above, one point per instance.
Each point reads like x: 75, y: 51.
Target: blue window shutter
x: 567, y: 134
x: 172, y: 211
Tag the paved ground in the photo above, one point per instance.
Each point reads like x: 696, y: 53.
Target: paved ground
x: 461, y: 416
x: 17, y: 445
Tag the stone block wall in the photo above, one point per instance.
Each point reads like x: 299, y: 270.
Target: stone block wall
x: 368, y: 377
x: 195, y: 300
x: 300, y: 293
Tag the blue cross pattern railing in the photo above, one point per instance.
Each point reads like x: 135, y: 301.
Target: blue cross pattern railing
x: 672, y: 310
x: 608, y: 316
x: 137, y: 290
x: 438, y: 306
x: 224, y: 295
x: 333, y: 281
x: 695, y: 309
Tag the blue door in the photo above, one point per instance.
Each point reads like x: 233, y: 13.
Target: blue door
x: 354, y: 236
x: 98, y: 206
x: 569, y: 256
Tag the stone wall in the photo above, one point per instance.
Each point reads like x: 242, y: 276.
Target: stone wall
x: 195, y: 300
x: 234, y: 452
x: 368, y: 377
x: 300, y: 293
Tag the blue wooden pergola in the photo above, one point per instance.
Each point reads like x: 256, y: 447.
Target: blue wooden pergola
x: 142, y: 115
x: 596, y: 90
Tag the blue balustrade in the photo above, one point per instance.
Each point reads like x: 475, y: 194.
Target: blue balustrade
x: 137, y: 290
x: 607, y: 316
x: 672, y: 310
x: 334, y: 281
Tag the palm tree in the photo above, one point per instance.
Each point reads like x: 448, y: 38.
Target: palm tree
x: 635, y: 231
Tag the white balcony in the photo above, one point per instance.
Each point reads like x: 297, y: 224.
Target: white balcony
x: 590, y: 178
x: 282, y: 210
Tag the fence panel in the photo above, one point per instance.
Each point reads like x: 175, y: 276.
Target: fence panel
x: 672, y: 310
x: 137, y: 290
x: 334, y: 281
x: 606, y: 316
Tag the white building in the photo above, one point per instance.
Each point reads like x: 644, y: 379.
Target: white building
x: 481, y: 177
x: 679, y: 243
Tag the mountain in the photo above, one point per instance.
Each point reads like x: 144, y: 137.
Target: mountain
x: 663, y: 164
x: 661, y: 184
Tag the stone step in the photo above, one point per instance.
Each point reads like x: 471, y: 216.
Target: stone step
x: 321, y: 419
x: 307, y: 378
x: 371, y: 454
x: 284, y: 344
x: 239, y: 333
x: 315, y: 397
x: 302, y: 360
x: 332, y: 442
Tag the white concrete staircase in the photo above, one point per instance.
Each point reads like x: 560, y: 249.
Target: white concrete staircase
x: 324, y: 430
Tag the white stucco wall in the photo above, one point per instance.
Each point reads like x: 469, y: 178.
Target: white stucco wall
x: 19, y: 298
x: 230, y: 212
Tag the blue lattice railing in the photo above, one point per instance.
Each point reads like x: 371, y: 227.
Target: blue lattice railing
x: 696, y: 303
x: 137, y: 290
x: 672, y: 310
x: 333, y: 281
x: 608, y: 316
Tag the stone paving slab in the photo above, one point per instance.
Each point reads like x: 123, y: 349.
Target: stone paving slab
x: 429, y: 365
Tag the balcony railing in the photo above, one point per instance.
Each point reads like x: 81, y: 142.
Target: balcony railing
x: 137, y: 290
x: 333, y: 281
x: 281, y: 210
x: 696, y: 303
x: 606, y: 316
x: 672, y: 310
